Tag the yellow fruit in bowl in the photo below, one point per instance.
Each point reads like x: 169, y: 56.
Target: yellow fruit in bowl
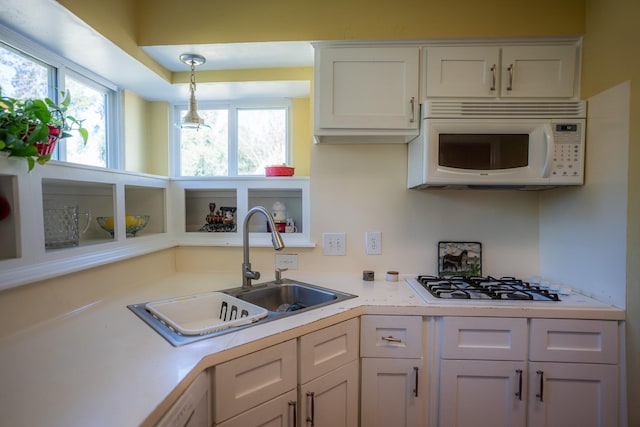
x: 108, y: 223
x: 132, y: 221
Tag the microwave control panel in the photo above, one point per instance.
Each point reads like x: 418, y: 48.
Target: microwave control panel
x: 567, y: 159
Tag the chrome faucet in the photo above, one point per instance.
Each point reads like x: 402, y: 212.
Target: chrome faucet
x: 276, y: 240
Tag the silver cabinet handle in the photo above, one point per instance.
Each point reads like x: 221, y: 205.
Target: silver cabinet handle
x: 510, y: 70
x: 540, y: 393
x: 416, y: 370
x: 519, y: 392
x: 412, y: 102
x: 311, y: 413
x: 493, y: 78
x: 294, y: 416
x: 391, y: 339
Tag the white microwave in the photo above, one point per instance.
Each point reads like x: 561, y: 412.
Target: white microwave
x: 491, y: 144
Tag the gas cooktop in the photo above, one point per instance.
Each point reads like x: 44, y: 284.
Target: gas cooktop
x: 484, y: 288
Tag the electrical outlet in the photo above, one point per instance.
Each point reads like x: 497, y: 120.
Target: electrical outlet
x: 373, y: 241
x: 334, y: 244
x: 288, y: 261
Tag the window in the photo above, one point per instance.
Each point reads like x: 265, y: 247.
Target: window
x: 241, y: 139
x: 89, y: 102
x: 27, y: 71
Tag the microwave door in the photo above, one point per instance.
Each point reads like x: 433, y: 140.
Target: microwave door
x: 483, y: 153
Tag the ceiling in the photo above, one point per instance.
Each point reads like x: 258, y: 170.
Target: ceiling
x: 236, y: 55
x: 74, y: 40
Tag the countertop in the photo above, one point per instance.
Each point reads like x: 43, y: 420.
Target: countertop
x: 100, y: 365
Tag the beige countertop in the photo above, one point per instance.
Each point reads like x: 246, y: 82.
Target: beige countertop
x: 100, y: 365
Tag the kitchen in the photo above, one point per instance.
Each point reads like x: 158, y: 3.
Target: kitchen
x: 520, y: 239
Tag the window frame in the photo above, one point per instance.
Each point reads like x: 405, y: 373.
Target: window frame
x: 62, y: 67
x: 232, y: 107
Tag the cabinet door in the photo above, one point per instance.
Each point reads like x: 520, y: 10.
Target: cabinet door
x: 279, y: 412
x: 573, y: 394
x: 462, y: 71
x: 367, y: 88
x: 332, y: 399
x: 538, y: 71
x: 392, y: 394
x: 327, y: 349
x: 245, y: 382
x: 193, y: 408
x: 477, y: 393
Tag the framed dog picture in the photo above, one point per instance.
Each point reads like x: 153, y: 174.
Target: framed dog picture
x: 460, y: 258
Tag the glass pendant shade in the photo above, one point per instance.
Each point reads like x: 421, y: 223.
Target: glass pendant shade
x: 192, y: 120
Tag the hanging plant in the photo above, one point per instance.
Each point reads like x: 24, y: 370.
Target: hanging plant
x: 30, y: 128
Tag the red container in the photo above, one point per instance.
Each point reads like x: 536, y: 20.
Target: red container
x: 280, y: 226
x: 281, y: 170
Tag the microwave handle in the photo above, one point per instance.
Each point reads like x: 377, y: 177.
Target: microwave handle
x: 549, y: 142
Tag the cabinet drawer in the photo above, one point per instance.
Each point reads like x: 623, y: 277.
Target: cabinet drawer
x: 572, y: 340
x: 280, y: 411
x: 391, y: 336
x: 488, y: 338
x: 250, y: 380
x: 327, y: 349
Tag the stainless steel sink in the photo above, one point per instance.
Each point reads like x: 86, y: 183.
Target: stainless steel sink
x: 281, y: 299
x: 287, y: 296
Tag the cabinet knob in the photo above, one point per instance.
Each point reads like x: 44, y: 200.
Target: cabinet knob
x: 391, y: 338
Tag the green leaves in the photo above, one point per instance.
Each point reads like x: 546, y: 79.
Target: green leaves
x: 27, y: 122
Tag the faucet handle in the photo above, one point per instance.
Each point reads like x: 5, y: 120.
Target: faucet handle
x: 279, y: 274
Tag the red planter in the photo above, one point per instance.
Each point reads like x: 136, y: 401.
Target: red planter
x: 46, y: 148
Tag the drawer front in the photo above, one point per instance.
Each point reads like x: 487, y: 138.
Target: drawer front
x: 572, y: 340
x: 484, y: 338
x: 250, y: 380
x: 391, y: 336
x: 327, y: 349
x: 280, y: 411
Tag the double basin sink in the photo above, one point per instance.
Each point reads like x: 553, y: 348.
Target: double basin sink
x: 196, y: 317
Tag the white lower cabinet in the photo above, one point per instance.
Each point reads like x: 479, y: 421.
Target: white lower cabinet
x: 278, y: 412
x: 392, y: 374
x: 192, y: 408
x: 569, y: 375
x: 241, y: 385
x: 332, y: 399
x: 573, y: 373
x: 328, y: 389
x: 482, y: 393
x: 312, y: 380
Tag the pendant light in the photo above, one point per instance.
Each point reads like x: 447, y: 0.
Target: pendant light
x: 192, y: 120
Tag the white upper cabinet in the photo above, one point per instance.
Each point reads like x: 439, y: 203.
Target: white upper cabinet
x: 518, y: 71
x: 367, y: 92
x: 538, y: 71
x: 462, y: 71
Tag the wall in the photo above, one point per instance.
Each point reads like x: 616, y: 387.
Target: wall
x: 359, y: 188
x: 135, y: 126
x: 583, y: 230
x: 611, y: 58
x: 216, y: 22
x: 157, y: 138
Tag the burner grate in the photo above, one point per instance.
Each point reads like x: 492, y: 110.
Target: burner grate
x: 504, y: 288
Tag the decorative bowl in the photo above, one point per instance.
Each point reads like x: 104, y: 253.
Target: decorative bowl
x: 134, y: 223
x: 279, y: 170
